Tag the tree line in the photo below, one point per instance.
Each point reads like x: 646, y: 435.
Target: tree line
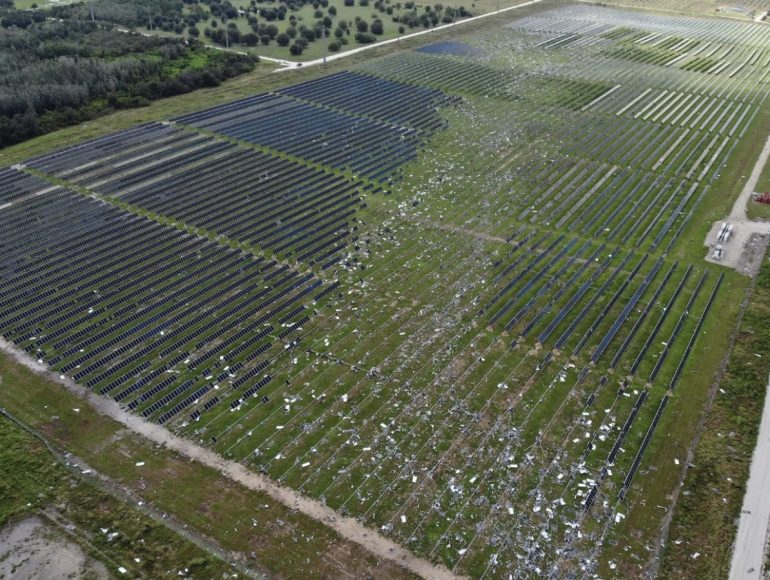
x: 55, y: 73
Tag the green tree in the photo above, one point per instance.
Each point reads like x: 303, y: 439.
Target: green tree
x: 365, y: 38
x: 249, y: 39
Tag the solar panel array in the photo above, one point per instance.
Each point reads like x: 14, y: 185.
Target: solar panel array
x: 168, y: 322
x: 360, y: 144
x: 405, y: 105
x: 156, y: 318
x: 450, y: 48
x: 15, y: 185
x: 523, y: 327
x: 276, y: 204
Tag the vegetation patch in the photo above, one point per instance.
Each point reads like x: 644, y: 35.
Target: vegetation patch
x: 33, y: 481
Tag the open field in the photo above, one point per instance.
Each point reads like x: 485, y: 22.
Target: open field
x: 456, y: 292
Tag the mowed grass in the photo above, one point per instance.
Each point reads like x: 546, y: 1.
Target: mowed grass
x: 305, y: 16
x: 267, y: 536
x: 758, y: 211
x: 317, y: 49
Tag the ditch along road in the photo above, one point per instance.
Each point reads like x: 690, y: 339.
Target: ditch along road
x: 292, y: 64
x: 347, y: 527
x: 749, y: 551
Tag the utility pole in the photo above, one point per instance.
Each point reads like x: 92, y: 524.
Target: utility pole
x: 149, y: 18
x: 91, y: 7
x: 227, y: 36
x: 326, y: 48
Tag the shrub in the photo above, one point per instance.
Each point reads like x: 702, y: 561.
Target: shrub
x: 365, y: 38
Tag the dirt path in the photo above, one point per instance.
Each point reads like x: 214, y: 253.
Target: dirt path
x: 347, y: 527
x: 329, y: 58
x: 745, y: 249
x: 78, y: 467
x: 292, y: 64
x: 739, y: 208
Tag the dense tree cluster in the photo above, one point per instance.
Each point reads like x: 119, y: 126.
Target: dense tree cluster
x: 56, y: 73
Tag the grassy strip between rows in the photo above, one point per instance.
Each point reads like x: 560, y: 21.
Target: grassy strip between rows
x: 260, y: 533
x: 32, y: 482
x: 706, y: 516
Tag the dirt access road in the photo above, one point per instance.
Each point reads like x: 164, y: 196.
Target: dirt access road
x: 292, y: 64
x: 347, y: 527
